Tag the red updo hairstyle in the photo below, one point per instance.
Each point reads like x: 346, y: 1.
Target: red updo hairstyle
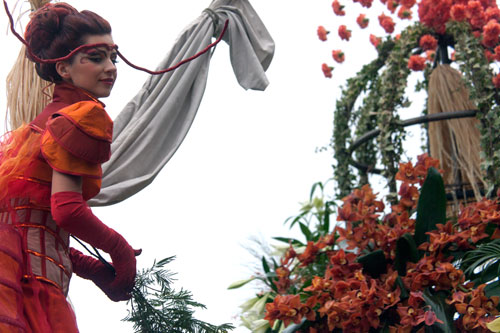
x: 56, y: 29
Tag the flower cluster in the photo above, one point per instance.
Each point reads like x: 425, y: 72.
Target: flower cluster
x: 328, y: 283
x: 482, y: 16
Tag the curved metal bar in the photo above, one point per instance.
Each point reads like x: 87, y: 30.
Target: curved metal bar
x: 408, y: 122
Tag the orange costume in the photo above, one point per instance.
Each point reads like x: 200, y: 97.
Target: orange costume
x: 72, y: 135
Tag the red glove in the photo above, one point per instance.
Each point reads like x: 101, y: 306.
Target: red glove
x: 92, y: 269
x: 71, y: 213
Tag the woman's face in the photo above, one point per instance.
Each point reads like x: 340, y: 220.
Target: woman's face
x: 93, y: 69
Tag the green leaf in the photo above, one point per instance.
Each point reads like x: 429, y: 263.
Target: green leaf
x: 406, y: 250
x: 492, y: 289
x: 240, y: 283
x: 431, y: 209
x: 443, y: 311
x: 401, y: 285
x: 265, y: 265
x: 313, y: 189
x: 326, y: 220
x: 296, y: 218
x: 305, y: 230
x: 289, y: 240
x: 374, y: 263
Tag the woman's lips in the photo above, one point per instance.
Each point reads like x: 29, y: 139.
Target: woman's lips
x: 108, y: 81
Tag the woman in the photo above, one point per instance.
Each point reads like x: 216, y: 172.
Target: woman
x: 49, y: 168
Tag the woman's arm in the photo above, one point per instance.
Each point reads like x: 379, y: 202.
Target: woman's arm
x: 71, y: 213
x: 62, y: 182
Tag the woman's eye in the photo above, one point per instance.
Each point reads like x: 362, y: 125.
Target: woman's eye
x: 96, y: 59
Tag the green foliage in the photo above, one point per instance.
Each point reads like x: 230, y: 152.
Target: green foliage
x: 478, y: 76
x: 157, y: 308
x: 342, y: 119
x: 391, y: 99
x: 431, y: 209
x: 444, y: 311
x: 485, y: 259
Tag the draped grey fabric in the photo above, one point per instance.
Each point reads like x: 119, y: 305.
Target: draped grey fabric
x: 151, y: 127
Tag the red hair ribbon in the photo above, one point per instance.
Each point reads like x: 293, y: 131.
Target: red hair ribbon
x: 85, y: 46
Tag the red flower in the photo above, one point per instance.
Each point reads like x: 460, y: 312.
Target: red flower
x: 338, y: 55
x: 408, y: 3
x: 435, y: 14
x: 490, y: 56
x: 430, y: 55
x: 392, y: 5
x: 492, y: 13
x: 496, y: 81
x: 366, y: 3
x: 458, y: 12
x: 344, y: 33
x: 362, y: 21
x: 404, y: 13
x: 375, y: 40
x: 430, y: 318
x: 427, y: 42
x: 387, y: 23
x: 322, y: 32
x: 338, y: 8
x: 327, y: 70
x: 474, y: 9
x: 497, y: 53
x: 490, y: 33
x: 416, y: 63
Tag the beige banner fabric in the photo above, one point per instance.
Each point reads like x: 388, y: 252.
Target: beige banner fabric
x: 151, y: 127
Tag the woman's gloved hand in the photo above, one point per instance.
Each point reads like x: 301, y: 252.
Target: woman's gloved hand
x: 71, y: 213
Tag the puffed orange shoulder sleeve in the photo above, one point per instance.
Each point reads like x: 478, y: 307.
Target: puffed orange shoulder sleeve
x: 77, y: 139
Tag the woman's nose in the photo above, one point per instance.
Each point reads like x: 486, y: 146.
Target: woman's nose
x: 110, y: 65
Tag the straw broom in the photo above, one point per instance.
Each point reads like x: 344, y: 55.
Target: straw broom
x: 27, y: 93
x: 455, y: 142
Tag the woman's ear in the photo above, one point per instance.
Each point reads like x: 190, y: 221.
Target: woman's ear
x: 62, y: 69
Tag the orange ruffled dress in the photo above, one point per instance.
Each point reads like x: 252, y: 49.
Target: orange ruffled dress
x: 72, y: 135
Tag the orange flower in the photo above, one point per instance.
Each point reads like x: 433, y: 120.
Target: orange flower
x: 375, y: 40
x: 496, y: 81
x: 387, y: 23
x: 408, y: 3
x: 322, y: 32
x: 338, y: 55
x: 407, y: 174
x: 366, y: 3
x: 338, y: 8
x: 344, y: 33
x: 362, y: 21
x: 392, y: 5
x: 309, y: 254
x: 416, y: 63
x: 427, y: 42
x: 404, y: 13
x: 286, y: 308
x: 327, y: 70
x: 430, y: 55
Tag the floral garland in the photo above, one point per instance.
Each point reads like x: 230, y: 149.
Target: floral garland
x: 417, y: 48
x: 342, y: 120
x: 392, y: 91
x: 389, y: 272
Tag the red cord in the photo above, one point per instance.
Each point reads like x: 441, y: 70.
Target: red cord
x: 78, y: 49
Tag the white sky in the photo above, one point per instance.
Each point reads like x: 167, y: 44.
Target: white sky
x: 245, y: 165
